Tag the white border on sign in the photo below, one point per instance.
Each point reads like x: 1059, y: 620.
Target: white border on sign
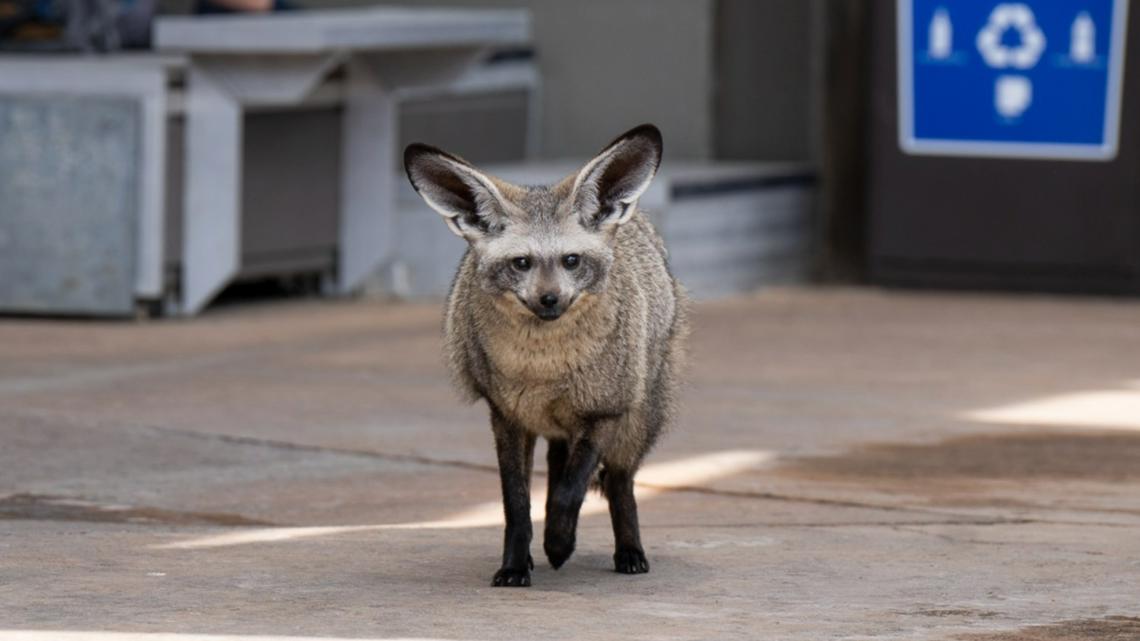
x: 936, y: 147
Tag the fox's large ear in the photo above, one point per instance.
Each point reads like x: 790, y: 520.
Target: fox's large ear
x: 468, y: 200
x: 606, y: 190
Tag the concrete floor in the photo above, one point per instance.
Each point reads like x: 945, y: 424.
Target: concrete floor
x: 849, y: 464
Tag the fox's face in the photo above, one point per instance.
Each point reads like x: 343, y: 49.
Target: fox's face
x: 539, y: 250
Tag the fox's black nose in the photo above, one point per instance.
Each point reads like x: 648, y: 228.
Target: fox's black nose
x: 548, y: 300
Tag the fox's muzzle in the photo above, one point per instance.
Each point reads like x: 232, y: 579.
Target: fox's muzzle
x: 548, y: 306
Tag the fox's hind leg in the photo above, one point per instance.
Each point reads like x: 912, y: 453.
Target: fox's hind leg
x: 629, y: 557
x: 515, y: 448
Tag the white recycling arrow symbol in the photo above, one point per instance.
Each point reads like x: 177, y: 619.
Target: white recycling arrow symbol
x: 1011, y: 16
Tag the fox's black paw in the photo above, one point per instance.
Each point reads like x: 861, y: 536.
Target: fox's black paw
x: 559, y: 545
x: 630, y: 561
x: 511, y: 578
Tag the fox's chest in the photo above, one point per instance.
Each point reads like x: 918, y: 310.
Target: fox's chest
x: 535, y: 380
x: 544, y: 409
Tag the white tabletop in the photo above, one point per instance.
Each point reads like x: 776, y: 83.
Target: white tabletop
x: 373, y: 29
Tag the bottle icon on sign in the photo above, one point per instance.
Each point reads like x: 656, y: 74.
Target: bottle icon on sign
x: 940, y: 43
x: 1082, y: 43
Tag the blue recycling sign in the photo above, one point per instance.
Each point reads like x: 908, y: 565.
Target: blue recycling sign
x: 1029, y: 79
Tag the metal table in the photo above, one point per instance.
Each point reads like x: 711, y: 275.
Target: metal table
x: 284, y: 60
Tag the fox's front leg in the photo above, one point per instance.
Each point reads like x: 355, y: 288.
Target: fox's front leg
x: 515, y: 448
x: 565, y: 500
x: 558, y: 451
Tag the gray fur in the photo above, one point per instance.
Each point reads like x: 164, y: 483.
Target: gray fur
x: 600, y: 380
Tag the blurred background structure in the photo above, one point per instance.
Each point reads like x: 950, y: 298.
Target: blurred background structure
x: 786, y: 160
x: 116, y: 203
x: 870, y: 460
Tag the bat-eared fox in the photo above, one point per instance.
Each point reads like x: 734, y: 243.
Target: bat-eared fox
x: 564, y: 317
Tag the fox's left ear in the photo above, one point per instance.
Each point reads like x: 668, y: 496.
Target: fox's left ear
x: 606, y: 190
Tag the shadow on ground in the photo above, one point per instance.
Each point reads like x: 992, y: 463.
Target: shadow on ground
x: 1102, y: 456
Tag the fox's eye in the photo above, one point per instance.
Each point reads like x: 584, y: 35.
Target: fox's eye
x: 521, y: 263
x: 571, y: 260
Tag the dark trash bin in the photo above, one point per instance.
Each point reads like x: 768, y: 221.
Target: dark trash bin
x: 1010, y: 189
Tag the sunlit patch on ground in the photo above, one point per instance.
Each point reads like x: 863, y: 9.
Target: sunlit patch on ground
x: 1117, y: 409
x: 652, y: 480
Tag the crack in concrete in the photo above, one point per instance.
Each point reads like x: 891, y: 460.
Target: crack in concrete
x: 951, y: 518
x: 791, y: 498
x: 468, y: 465
x: 343, y: 451
x: 45, y: 507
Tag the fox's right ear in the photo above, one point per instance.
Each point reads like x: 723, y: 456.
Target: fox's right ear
x: 606, y: 190
x: 468, y: 200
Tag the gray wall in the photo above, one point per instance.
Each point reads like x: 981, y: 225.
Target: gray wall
x: 482, y: 128
x: 765, y: 79
x: 732, y: 79
x: 608, y: 65
x: 612, y: 64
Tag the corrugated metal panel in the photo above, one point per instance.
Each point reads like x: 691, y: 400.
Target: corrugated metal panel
x: 69, y: 170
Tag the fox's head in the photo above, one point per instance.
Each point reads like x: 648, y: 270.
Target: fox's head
x: 540, y: 248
